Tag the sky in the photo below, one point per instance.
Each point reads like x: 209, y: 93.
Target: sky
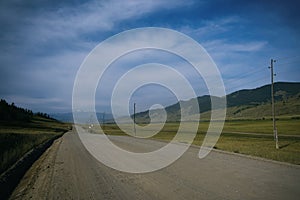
x: 43, y: 44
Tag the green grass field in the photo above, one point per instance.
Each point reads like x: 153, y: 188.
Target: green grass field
x: 17, y: 138
x: 230, y: 140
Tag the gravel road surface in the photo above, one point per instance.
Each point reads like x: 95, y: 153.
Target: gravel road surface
x: 67, y: 171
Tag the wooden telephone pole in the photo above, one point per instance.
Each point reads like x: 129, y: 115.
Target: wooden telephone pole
x: 134, y: 130
x: 273, y: 104
x: 103, y: 120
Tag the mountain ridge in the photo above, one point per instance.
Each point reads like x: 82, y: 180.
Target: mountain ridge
x: 240, y: 100
x: 287, y: 98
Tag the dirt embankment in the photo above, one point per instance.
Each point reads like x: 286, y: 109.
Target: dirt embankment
x: 10, y: 178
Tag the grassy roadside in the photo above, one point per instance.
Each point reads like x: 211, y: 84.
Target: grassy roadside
x: 255, y: 145
x: 262, y: 146
x: 17, y: 138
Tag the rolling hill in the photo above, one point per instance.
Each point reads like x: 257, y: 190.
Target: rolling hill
x: 85, y: 117
x: 242, y: 104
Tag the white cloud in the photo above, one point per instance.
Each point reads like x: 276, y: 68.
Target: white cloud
x: 233, y: 56
x: 93, y: 16
x: 224, y: 48
x: 44, y: 48
x: 208, y: 28
x: 152, y: 38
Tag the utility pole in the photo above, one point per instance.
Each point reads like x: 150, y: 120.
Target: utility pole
x: 134, y: 130
x: 273, y: 104
x: 103, y: 120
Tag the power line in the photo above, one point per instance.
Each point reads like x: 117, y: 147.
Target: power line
x: 263, y: 79
x: 245, y: 75
x: 252, y: 72
x: 240, y: 78
x: 286, y: 63
x: 288, y: 57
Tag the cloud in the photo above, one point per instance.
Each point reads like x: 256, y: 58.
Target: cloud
x: 233, y: 54
x: 213, y: 27
x: 43, y: 45
x: 69, y: 23
x: 227, y: 47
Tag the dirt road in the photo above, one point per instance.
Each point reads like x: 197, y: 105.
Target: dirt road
x: 68, y: 171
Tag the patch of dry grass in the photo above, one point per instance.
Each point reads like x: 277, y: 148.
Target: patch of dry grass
x: 255, y: 145
x: 17, y: 138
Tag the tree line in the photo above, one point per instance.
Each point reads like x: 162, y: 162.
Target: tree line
x: 10, y: 112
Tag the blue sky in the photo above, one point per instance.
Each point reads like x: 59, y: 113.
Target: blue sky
x: 43, y: 44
